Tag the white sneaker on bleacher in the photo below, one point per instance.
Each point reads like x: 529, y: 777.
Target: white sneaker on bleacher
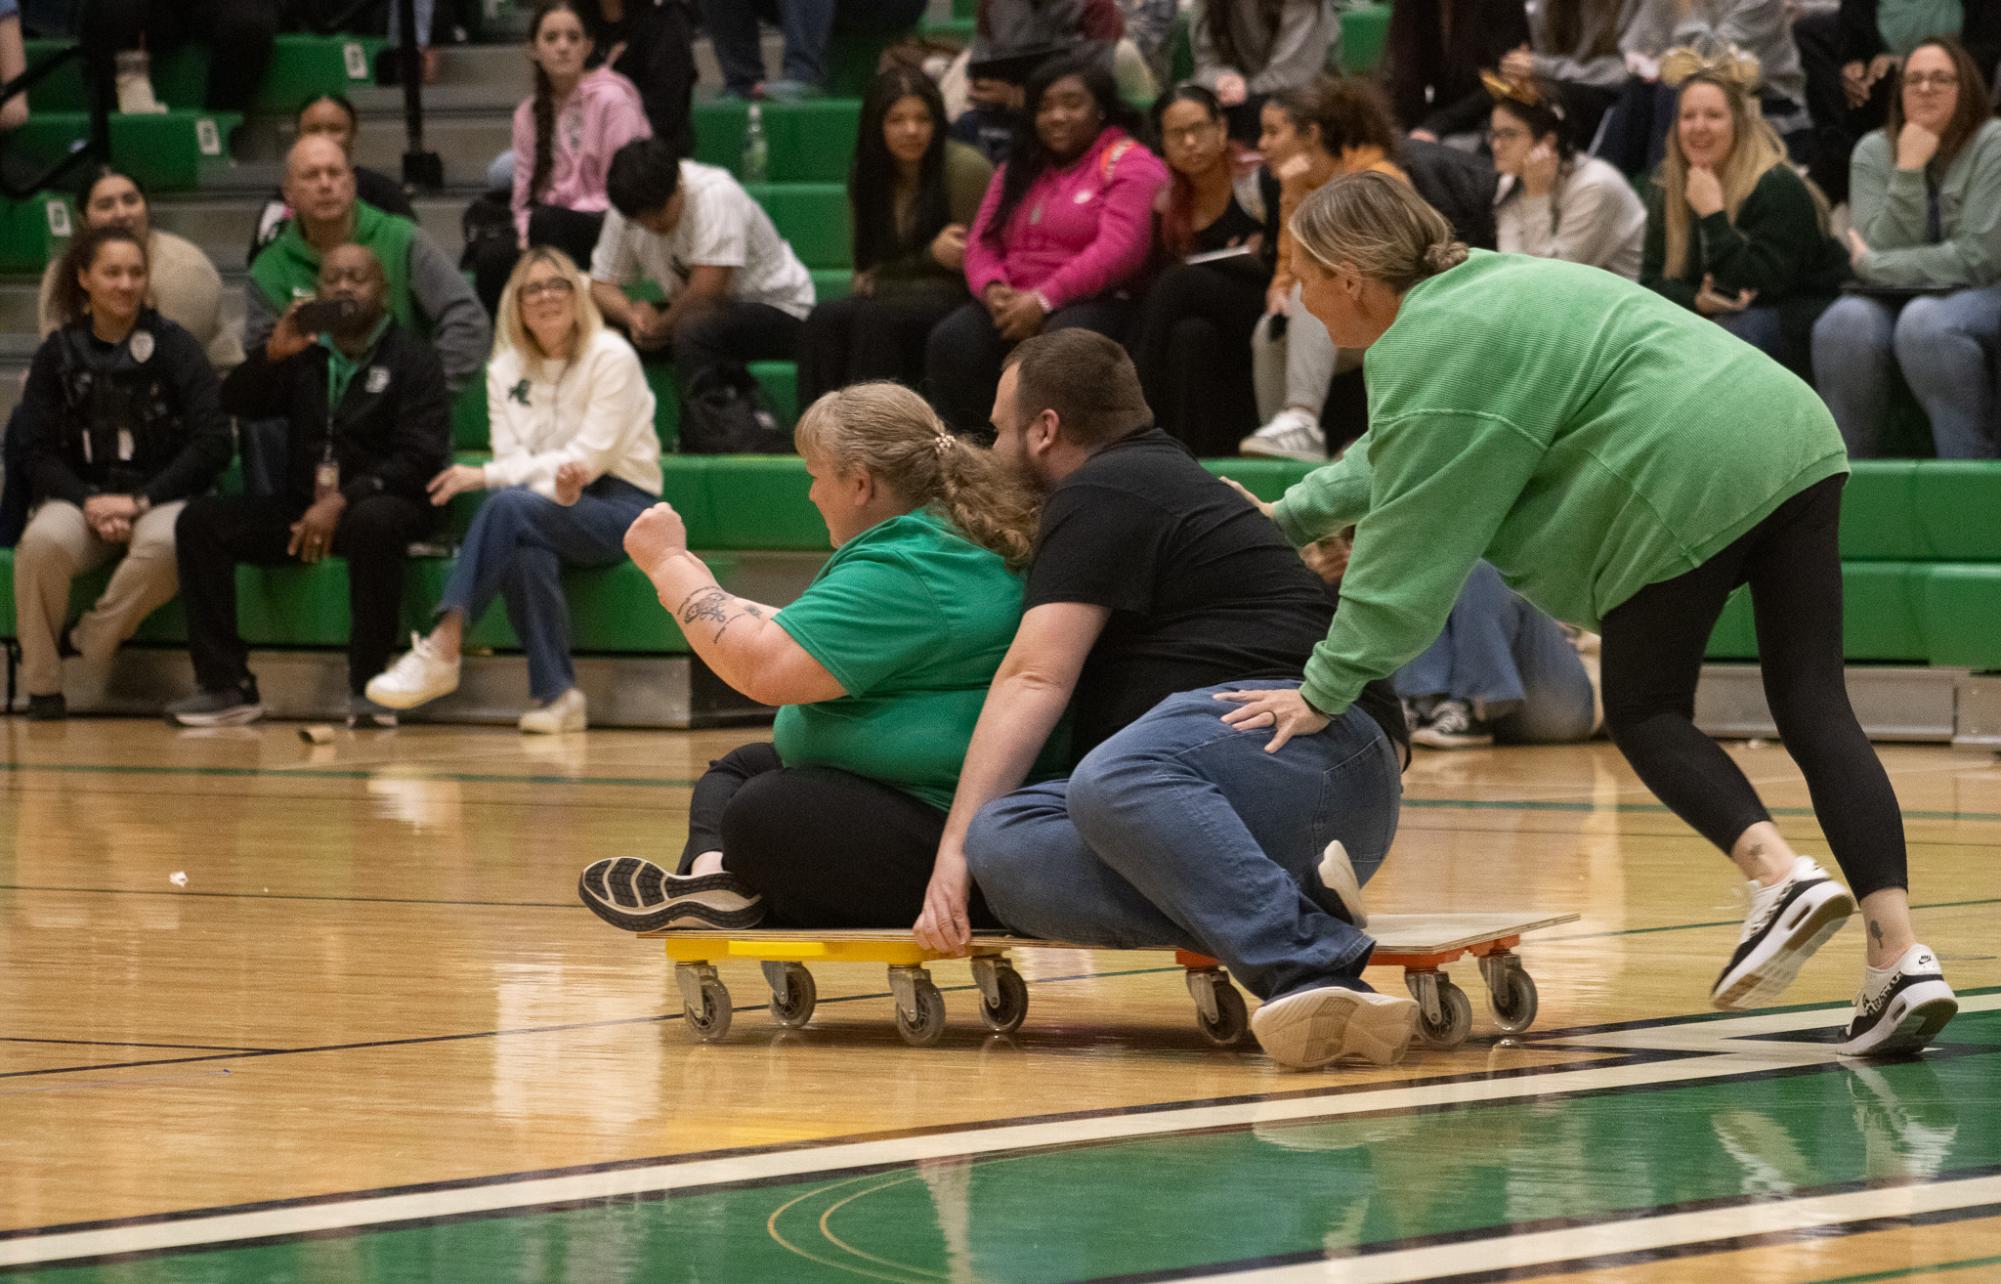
x: 1291, y: 434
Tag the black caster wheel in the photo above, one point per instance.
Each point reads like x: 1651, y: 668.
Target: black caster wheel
x: 1454, y: 1018
x: 927, y: 1025
x: 710, y: 1020
x: 793, y: 994
x: 1512, y: 1000
x: 1223, y: 1020
x: 1006, y: 1016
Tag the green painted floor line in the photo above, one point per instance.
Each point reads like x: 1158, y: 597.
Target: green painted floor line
x: 1261, y: 1194
x: 1970, y: 1263
x: 334, y: 773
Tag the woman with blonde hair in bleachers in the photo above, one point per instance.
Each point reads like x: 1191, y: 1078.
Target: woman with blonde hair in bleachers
x: 880, y: 669
x: 575, y: 459
x: 1733, y: 232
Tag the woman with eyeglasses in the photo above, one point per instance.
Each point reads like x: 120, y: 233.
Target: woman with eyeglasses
x: 1553, y: 202
x: 575, y: 460
x: 1925, y: 198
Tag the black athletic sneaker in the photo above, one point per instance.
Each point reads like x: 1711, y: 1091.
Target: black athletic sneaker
x: 231, y: 707
x: 1787, y: 923
x: 639, y: 896
x: 47, y: 708
x: 1901, y: 1008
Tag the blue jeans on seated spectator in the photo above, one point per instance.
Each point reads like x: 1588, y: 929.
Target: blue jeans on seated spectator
x: 808, y: 26
x: 1182, y: 831
x: 1511, y: 659
x: 1948, y: 347
x: 517, y: 548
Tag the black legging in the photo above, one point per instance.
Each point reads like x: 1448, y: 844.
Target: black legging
x: 1192, y: 347
x: 1653, y: 648
x: 573, y: 232
x: 825, y: 848
x: 239, y: 34
x: 859, y: 338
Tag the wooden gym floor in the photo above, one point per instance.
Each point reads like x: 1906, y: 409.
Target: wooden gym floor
x: 371, y: 1035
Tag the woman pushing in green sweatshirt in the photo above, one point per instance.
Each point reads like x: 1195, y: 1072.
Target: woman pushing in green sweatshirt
x: 1625, y: 466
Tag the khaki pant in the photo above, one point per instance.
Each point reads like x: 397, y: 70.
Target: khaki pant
x: 58, y: 546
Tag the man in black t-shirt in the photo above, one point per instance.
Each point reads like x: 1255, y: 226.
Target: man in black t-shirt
x: 1155, y: 592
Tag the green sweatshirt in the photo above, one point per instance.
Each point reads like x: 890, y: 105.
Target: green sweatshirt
x: 1583, y: 434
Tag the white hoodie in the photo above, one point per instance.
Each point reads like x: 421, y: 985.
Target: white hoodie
x: 595, y: 409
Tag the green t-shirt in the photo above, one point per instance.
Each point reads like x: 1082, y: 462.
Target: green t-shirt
x: 912, y: 619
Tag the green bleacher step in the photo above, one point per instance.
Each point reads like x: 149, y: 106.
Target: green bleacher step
x: 301, y: 67
x: 168, y: 152
x: 810, y: 142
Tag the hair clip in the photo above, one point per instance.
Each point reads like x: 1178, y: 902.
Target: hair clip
x: 1728, y: 64
x: 1521, y: 89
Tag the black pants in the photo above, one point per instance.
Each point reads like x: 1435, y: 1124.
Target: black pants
x: 826, y: 849
x: 1653, y: 655
x: 573, y: 232
x: 1192, y: 346
x: 1837, y: 127
x: 855, y: 339
x: 217, y: 532
x: 962, y: 359
x: 659, y: 58
x: 733, y: 332
x: 238, y: 33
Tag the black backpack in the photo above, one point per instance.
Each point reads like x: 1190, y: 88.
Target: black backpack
x: 725, y: 412
x: 490, y: 218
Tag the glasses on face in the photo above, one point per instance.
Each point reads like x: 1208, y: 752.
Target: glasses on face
x: 555, y: 287
x: 1189, y: 133
x: 1507, y: 134
x: 1932, y: 79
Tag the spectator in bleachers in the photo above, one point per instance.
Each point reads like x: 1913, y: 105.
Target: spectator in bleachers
x: 733, y: 290
x: 652, y: 44
x: 1311, y: 137
x: 1733, y: 231
x: 1577, y: 46
x: 912, y: 194
x: 238, y: 33
x: 332, y: 116
x: 564, y: 138
x: 1218, y: 219
x: 809, y: 27
x: 1851, y: 57
x: 994, y: 86
x: 575, y: 460
x: 425, y: 17
x: 13, y: 61
x: 425, y: 291
x: 1434, y: 54
x: 1248, y: 50
x: 120, y: 424
x: 1926, y: 248
x: 1636, y: 131
x: 1039, y: 29
x: 1062, y: 236
x: 180, y: 280
x: 1554, y: 202
x: 880, y: 669
x: 1149, y: 25
x: 367, y: 427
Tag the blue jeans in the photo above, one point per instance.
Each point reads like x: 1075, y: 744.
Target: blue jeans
x: 809, y: 30
x: 1182, y: 831
x: 517, y: 548
x: 1514, y: 660
x: 1948, y: 346
x: 425, y: 9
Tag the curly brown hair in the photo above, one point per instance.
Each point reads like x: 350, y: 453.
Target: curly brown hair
x: 72, y: 303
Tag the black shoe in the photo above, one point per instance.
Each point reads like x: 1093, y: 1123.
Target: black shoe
x: 47, y: 708
x: 65, y: 644
x: 639, y: 896
x: 365, y: 715
x: 230, y: 707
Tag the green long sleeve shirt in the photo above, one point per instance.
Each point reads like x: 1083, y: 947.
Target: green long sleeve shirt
x: 1583, y: 434
x: 1891, y: 210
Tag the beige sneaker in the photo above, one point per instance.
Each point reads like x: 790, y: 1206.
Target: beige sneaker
x: 1313, y: 1027
x: 564, y: 713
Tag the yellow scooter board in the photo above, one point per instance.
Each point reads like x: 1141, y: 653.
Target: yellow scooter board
x: 1421, y: 944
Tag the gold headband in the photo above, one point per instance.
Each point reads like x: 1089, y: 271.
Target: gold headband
x: 1521, y: 90
x: 1728, y: 64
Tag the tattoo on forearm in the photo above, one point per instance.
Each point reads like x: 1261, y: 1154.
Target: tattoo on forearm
x: 717, y: 608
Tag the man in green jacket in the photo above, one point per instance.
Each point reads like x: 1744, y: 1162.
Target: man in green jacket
x: 1625, y: 466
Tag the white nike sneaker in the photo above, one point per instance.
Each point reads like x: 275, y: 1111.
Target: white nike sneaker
x: 1310, y: 1028
x: 419, y: 676
x: 1337, y: 875
x: 567, y: 712
x: 1291, y: 434
x: 1787, y: 923
x: 1901, y: 1007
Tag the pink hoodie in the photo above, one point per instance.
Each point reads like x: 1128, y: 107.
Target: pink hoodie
x: 1079, y: 231
x: 601, y: 116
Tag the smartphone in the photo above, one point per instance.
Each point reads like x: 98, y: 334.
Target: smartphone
x: 322, y: 315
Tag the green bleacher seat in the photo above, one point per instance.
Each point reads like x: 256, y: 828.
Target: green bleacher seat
x: 301, y: 66
x: 28, y: 237
x: 810, y: 142
x: 1365, y: 29
x: 1962, y: 614
x: 168, y: 152
x: 812, y: 217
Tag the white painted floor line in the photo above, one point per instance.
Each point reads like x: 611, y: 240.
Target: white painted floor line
x: 1636, y: 1235
x: 1729, y: 1058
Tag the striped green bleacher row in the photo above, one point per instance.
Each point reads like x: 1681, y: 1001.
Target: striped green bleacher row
x: 1921, y: 541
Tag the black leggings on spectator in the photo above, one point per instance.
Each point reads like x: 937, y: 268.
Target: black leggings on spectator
x: 573, y: 232
x: 962, y: 360
x: 856, y: 339
x: 1192, y: 346
x: 239, y: 34
x: 825, y: 848
x: 1653, y: 648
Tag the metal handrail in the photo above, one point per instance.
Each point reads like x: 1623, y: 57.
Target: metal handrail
x: 96, y: 145
x: 422, y: 168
